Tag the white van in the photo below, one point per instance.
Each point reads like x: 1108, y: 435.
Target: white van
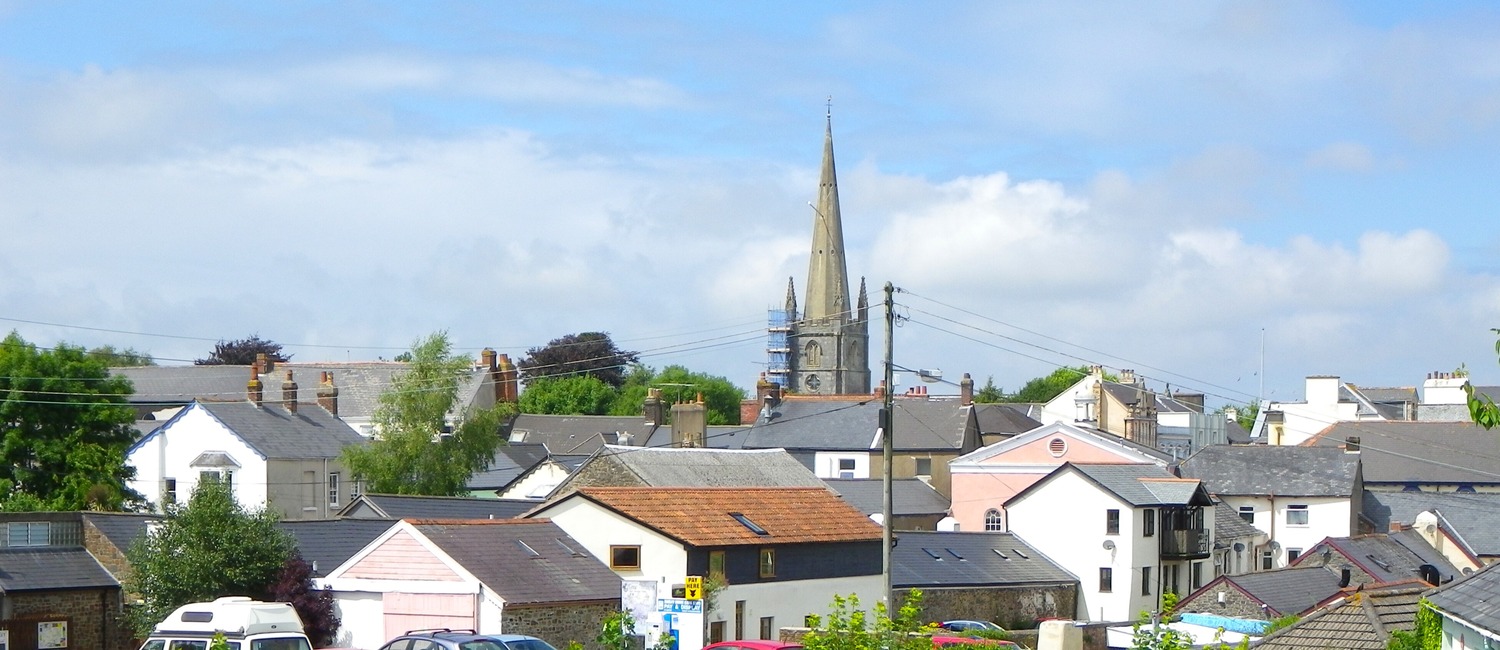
x: 246, y: 624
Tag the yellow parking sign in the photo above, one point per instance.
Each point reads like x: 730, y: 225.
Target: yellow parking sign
x: 693, y: 589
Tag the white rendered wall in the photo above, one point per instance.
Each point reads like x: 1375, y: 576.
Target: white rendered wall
x: 1326, y: 517
x: 826, y: 464
x: 663, y: 560
x: 169, y: 452
x: 361, y: 619
x: 789, y: 602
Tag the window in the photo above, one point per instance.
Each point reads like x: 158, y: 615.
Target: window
x: 1267, y: 560
x: 716, y: 563
x: 624, y: 557
x: 355, y: 489
x: 716, y: 631
x: 226, y: 475
x: 1106, y: 580
x: 1148, y: 522
x: 813, y: 355
x: 1296, y: 515
x: 846, y: 468
x: 1248, y: 514
x: 739, y: 619
x: 169, y: 491
x: 1145, y: 581
x: 1112, y: 522
x: 924, y: 467
x: 767, y: 626
x: 1292, y: 554
x: 28, y: 533
x: 768, y: 563
x: 333, y: 489
x: 993, y: 520
x: 1197, y: 575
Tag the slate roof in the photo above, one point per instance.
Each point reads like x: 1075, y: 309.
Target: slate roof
x: 1292, y: 590
x: 1472, y: 599
x: 702, y: 516
x: 718, y: 436
x: 1139, y: 485
x: 1360, y: 621
x: 970, y: 560
x: 1419, y: 452
x: 851, y: 424
x: 675, y: 467
x: 509, y: 463
x: 909, y: 496
x: 578, y: 434
x: 275, y: 432
x: 51, y: 568
x: 401, y: 506
x: 359, y: 383
x: 327, y: 543
x: 1387, y: 557
x: 526, y: 561
x: 120, y: 528
x: 1003, y: 419
x: 1255, y: 470
x: 1475, y: 516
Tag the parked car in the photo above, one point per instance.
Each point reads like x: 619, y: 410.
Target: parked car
x: 963, y: 642
x: 450, y: 639
x: 246, y: 624
x: 752, y: 644
x: 970, y: 626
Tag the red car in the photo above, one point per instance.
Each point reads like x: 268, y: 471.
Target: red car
x: 758, y: 644
x: 957, y: 642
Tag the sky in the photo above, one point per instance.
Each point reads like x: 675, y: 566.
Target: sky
x: 1193, y: 190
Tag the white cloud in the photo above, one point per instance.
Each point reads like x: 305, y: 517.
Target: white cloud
x: 1342, y: 156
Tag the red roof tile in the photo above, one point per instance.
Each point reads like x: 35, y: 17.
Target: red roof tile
x: 703, y: 516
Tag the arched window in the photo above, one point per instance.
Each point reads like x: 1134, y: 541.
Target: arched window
x: 993, y: 520
x: 813, y: 355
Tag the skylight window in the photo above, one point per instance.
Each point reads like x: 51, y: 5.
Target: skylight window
x: 565, y: 547
x: 932, y: 554
x: 1018, y: 552
x: 745, y: 521
x: 1002, y: 555
x: 525, y: 547
x: 954, y: 553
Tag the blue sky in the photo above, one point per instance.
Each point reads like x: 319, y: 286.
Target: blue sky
x: 1152, y: 185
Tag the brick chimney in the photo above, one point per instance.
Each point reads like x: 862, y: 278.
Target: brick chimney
x: 289, y: 393
x: 266, y: 364
x: 652, y: 410
x: 487, y: 359
x: 328, y: 394
x: 966, y: 390
x: 253, y: 388
x: 880, y: 390
x: 690, y: 424
x: 507, y: 383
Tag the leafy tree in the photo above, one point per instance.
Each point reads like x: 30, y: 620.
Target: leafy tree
x: 847, y: 627
x: 1482, y: 409
x: 1244, y: 414
x: 591, y: 353
x: 64, y: 429
x: 417, y: 450
x: 1043, y: 389
x: 314, y: 606
x: 568, y: 395
x: 677, y: 383
x: 121, y: 358
x: 208, y: 548
x: 243, y: 352
x: 617, y: 630
x: 990, y: 393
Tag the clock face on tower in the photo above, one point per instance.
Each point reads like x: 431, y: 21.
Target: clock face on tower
x: 812, y: 382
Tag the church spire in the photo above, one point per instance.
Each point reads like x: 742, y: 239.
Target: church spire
x: 827, y: 276
x: 791, y: 299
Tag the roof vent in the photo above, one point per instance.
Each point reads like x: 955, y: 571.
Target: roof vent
x: 1057, y: 447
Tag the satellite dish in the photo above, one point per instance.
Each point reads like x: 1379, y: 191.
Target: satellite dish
x: 1275, y: 546
x: 1109, y: 545
x: 1239, y: 547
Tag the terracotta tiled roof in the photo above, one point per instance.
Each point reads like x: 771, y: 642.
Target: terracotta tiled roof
x: 705, y: 516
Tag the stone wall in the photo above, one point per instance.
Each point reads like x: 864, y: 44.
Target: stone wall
x: 560, y: 624
x: 1236, y: 603
x: 1010, y: 607
x: 112, y: 559
x: 93, y: 616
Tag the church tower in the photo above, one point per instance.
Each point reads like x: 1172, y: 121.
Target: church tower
x: 827, y: 348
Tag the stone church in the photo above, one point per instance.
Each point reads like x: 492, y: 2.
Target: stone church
x: 825, y: 348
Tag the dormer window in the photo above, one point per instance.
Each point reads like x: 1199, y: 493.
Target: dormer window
x: 28, y: 533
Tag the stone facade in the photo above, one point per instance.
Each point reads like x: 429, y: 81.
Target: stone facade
x: 560, y: 624
x: 93, y: 616
x: 1236, y: 603
x: 112, y: 559
x: 1010, y: 607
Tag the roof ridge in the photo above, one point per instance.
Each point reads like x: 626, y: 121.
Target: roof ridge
x: 473, y: 522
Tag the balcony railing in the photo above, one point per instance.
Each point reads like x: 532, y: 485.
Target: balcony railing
x: 1187, y: 544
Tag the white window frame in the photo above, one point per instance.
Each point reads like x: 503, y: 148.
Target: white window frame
x: 1301, y: 509
x: 333, y: 489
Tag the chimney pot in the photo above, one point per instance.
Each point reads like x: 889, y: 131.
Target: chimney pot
x: 265, y: 362
x: 328, y: 394
x: 253, y: 388
x: 966, y: 390
x: 289, y: 393
x: 487, y: 359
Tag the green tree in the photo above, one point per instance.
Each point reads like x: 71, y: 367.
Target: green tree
x: 314, y: 606
x: 208, y: 548
x: 847, y: 627
x: 678, y: 383
x: 1244, y: 414
x: 64, y: 429
x: 569, y: 395
x: 990, y: 393
x: 121, y: 358
x: 243, y: 352
x: 417, y: 450
x: 587, y: 353
x: 1482, y: 409
x: 1043, y: 389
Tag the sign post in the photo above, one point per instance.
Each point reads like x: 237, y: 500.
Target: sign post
x: 694, y: 588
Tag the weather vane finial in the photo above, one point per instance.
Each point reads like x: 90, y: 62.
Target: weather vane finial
x: 830, y: 107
